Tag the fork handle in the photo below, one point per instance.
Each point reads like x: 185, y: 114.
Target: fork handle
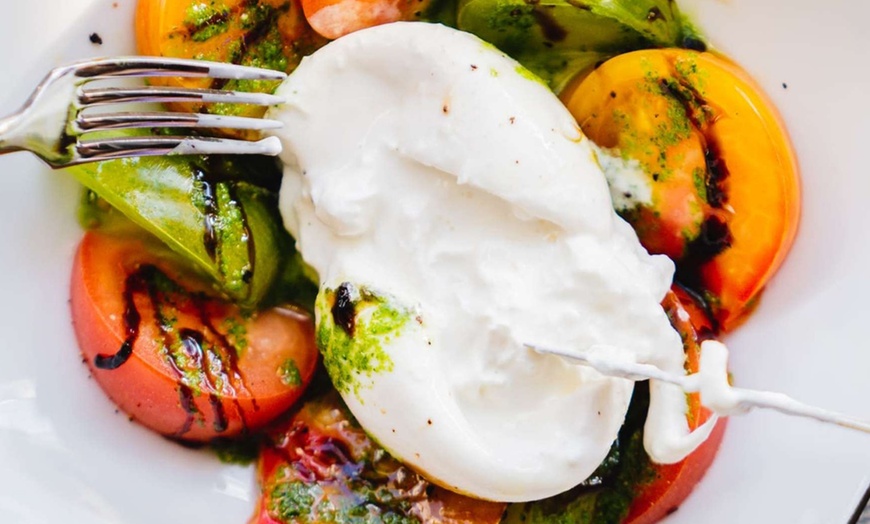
x: 8, y: 142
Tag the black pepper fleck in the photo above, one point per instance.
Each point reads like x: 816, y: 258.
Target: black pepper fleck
x: 95, y: 39
x: 613, y: 94
x: 784, y: 85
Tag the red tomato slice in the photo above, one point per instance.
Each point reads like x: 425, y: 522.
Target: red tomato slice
x: 181, y: 363
x: 674, y: 482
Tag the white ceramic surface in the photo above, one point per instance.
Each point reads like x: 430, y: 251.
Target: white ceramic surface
x: 67, y: 456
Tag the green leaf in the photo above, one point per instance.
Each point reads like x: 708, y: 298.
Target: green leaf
x: 207, y: 211
x: 558, y: 39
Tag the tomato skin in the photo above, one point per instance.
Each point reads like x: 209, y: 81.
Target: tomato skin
x: 725, y: 193
x: 147, y: 386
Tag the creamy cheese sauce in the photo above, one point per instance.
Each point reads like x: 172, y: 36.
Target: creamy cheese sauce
x: 629, y: 184
x: 429, y: 174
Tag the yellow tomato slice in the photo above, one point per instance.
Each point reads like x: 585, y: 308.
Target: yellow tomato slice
x: 724, y: 189
x: 264, y: 33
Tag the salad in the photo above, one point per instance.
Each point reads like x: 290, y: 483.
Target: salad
x: 234, y: 206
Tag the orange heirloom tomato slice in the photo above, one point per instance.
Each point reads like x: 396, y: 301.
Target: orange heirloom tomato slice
x: 181, y: 363
x: 272, y: 34
x: 724, y: 192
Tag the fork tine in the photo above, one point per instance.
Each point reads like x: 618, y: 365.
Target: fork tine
x: 123, y: 147
x: 103, y: 122
x: 109, y: 95
x: 143, y: 66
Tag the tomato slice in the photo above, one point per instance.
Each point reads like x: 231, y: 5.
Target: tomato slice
x: 719, y: 191
x: 181, y: 363
x: 672, y: 483
x: 320, y: 466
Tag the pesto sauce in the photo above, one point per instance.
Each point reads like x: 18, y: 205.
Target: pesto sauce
x: 236, y: 332
x: 243, y: 451
x: 353, y: 355
x: 303, y: 503
x: 289, y: 373
x: 200, y: 14
x: 206, y: 20
x: 233, y: 235
x: 528, y: 75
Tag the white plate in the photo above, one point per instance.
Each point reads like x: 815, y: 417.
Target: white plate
x: 66, y: 456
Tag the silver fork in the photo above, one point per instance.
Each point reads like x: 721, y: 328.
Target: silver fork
x: 55, y: 118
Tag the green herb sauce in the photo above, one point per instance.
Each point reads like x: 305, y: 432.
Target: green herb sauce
x: 289, y: 373
x: 352, y: 359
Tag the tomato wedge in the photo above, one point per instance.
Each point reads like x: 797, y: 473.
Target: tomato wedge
x: 181, y: 363
x: 719, y: 190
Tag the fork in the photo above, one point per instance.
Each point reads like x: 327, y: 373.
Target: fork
x: 714, y: 358
x: 54, y: 120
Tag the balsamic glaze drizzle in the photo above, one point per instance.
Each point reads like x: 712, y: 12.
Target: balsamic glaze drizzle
x: 550, y: 27
x: 715, y: 235
x: 343, y: 310
x: 218, y: 171
x: 250, y: 37
x: 134, y: 283
x: 208, y: 352
x: 209, y: 212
